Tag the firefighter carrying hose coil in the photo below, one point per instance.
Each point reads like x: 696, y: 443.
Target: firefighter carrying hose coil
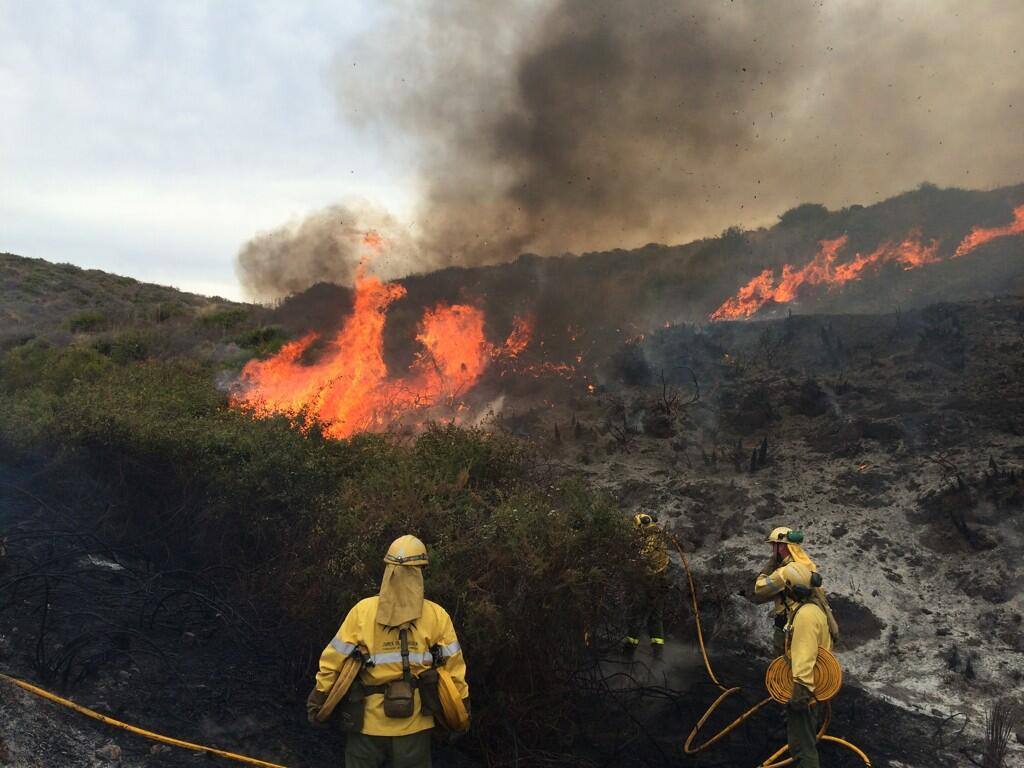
x: 787, y: 547
x: 808, y: 627
x: 399, y: 669
x: 648, y: 606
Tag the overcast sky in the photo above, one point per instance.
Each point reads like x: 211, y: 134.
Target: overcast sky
x: 153, y: 139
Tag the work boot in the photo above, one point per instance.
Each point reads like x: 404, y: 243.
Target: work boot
x: 657, y: 646
x: 629, y: 645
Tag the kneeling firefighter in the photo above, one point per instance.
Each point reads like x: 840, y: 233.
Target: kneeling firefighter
x: 809, y: 626
x: 406, y: 669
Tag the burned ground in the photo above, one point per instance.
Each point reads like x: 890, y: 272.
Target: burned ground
x: 161, y: 647
x: 894, y: 441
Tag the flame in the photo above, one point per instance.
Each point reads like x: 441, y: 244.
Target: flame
x: 519, y: 338
x: 980, y: 235
x: 823, y: 269
x: 348, y: 388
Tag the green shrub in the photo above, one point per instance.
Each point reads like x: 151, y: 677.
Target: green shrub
x: 225, y: 318
x: 166, y: 310
x: 87, y: 322
x: 51, y: 369
x: 264, y: 340
x: 127, y: 347
x: 529, y: 567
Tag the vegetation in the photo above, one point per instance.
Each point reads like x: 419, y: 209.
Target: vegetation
x: 808, y: 213
x: 530, y: 566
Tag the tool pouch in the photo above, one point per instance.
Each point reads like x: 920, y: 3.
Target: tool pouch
x: 399, y: 699
x: 430, y: 699
x: 399, y: 695
x: 349, y: 713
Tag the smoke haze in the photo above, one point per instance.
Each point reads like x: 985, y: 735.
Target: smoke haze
x: 592, y: 124
x: 326, y: 247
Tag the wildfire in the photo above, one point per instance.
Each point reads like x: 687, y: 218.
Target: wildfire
x: 980, y: 236
x: 522, y: 332
x: 823, y: 269
x: 826, y: 269
x: 348, y: 388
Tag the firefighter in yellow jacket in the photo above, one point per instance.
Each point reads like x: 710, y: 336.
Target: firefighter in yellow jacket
x: 400, y: 636
x: 808, y: 627
x: 648, y: 606
x: 787, y: 547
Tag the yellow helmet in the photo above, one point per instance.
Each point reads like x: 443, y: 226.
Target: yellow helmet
x: 783, y: 535
x: 642, y: 520
x: 799, y: 579
x: 406, y: 550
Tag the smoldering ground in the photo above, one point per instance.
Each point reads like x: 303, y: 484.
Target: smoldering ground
x: 586, y: 124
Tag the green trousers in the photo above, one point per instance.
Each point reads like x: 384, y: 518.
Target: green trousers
x: 802, y: 732
x: 412, y: 751
x: 648, y: 608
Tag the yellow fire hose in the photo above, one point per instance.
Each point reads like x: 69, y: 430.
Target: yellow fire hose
x: 779, y: 682
x: 135, y: 729
x: 776, y: 680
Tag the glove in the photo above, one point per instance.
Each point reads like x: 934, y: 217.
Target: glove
x: 314, y: 701
x: 800, y: 700
x: 454, y: 736
x: 768, y: 568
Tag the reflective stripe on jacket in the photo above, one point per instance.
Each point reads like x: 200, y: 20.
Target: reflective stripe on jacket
x: 434, y: 627
x: 809, y: 628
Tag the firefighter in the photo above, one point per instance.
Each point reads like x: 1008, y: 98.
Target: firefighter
x: 400, y: 636
x: 649, y: 605
x: 787, y: 547
x: 808, y: 627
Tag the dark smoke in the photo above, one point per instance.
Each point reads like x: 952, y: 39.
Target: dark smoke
x: 591, y: 124
x: 325, y: 247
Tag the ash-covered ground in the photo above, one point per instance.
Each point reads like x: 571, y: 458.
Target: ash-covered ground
x: 895, y: 442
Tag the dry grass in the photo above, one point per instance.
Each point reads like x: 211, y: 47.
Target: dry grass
x: 999, y: 721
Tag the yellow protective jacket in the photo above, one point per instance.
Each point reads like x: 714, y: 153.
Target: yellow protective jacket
x: 433, y: 627
x: 653, y: 551
x: 808, y: 631
x: 770, y: 585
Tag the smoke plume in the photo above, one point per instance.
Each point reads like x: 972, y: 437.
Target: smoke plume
x: 573, y: 125
x: 325, y: 247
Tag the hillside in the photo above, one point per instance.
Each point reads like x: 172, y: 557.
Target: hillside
x: 63, y: 304
x: 584, y: 304
x: 889, y: 429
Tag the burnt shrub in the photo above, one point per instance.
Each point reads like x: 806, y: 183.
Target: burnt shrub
x: 628, y: 365
x: 808, y: 214
x: 533, y: 569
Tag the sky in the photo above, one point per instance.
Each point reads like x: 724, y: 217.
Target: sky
x: 241, y: 148
x: 154, y: 139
